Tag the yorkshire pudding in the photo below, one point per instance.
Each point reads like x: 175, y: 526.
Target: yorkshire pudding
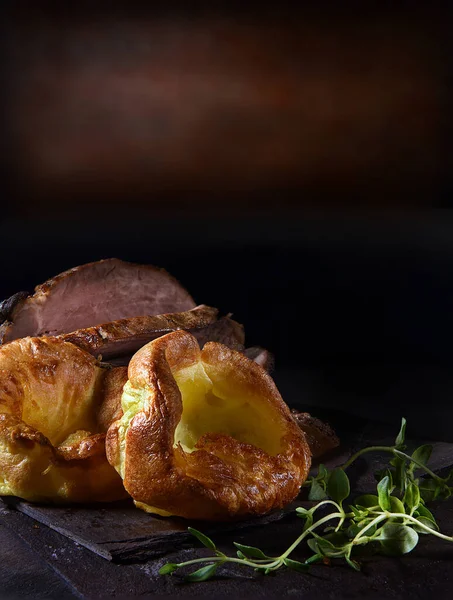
x: 205, y: 433
x: 55, y: 407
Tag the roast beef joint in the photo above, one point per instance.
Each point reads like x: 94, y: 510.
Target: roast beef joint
x: 73, y: 352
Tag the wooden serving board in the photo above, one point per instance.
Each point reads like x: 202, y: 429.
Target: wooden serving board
x: 120, y: 532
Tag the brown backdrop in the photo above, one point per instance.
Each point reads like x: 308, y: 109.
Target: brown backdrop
x: 219, y: 111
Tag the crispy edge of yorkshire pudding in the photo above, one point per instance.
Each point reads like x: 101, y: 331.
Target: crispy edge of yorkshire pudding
x: 205, y: 434
x: 55, y: 401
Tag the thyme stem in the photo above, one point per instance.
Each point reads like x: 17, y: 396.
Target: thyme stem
x: 355, y: 456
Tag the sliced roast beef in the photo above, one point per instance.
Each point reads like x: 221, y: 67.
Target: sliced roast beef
x: 111, y: 308
x: 225, y: 330
x: 320, y: 436
x: 125, y: 336
x: 261, y: 356
x: 7, y: 306
x: 99, y: 292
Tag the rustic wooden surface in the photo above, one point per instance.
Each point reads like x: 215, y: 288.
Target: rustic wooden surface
x: 36, y: 561
x: 123, y: 533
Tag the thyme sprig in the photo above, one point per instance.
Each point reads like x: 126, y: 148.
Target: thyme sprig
x: 391, y: 519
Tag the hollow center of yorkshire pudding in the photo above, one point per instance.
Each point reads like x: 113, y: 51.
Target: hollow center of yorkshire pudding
x: 50, y: 385
x: 63, y: 408
x: 205, y: 433
x: 214, y: 406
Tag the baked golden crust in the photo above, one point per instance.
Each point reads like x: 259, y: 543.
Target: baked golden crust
x: 110, y: 410
x: 52, y: 441
x: 205, y: 434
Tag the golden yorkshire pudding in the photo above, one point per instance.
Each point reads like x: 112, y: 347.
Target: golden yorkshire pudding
x: 205, y: 433
x: 56, y: 404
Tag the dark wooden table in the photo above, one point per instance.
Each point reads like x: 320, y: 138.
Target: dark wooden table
x: 38, y: 562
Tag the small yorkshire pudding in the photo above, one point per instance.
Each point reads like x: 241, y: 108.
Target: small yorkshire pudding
x: 55, y: 401
x: 205, y: 433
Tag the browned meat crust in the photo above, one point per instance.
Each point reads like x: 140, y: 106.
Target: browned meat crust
x: 224, y: 331
x: 320, y: 436
x: 98, y: 292
x: 7, y: 306
x: 125, y: 336
x: 261, y: 356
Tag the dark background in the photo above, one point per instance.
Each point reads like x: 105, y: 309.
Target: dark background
x: 291, y: 167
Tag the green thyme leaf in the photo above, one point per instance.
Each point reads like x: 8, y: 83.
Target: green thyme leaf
x: 412, y: 496
x: 313, y: 545
x: 329, y: 545
x: 168, y: 568
x: 325, y: 549
x: 250, y: 551
x: 261, y: 570
x: 428, y: 523
x: 383, y: 489
x: 424, y: 512
x: 323, y: 473
x: 421, y: 455
x: 358, y: 514
x: 446, y: 492
x: 397, y: 539
x: 338, y: 487
x: 353, y: 530
x: 202, y: 574
x: 295, y: 565
x: 399, y: 473
x: 337, y: 539
x: 302, y: 512
x: 353, y: 563
x: 396, y: 505
x: 308, y: 521
x: 313, y: 559
x: 429, y: 489
x: 399, y: 441
x: 202, y: 538
x: 316, y: 492
x: 367, y: 501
